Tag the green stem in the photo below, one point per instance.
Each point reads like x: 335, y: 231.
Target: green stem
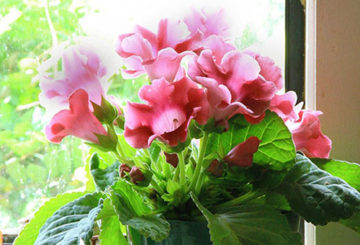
x: 242, y: 199
x: 199, y: 183
x: 203, y: 145
x: 157, y: 187
x: 182, y: 168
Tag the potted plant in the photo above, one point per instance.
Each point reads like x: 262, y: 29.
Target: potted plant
x: 214, y: 153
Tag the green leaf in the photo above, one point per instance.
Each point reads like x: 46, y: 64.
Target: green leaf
x: 249, y: 225
x: 31, y: 230
x: 132, y: 211
x: 110, y: 233
x: 276, y: 150
x: 103, y: 177
x: 72, y: 223
x: 350, y: 172
x: 317, y: 195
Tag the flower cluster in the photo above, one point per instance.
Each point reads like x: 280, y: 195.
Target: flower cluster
x: 195, y: 73
x: 213, y: 135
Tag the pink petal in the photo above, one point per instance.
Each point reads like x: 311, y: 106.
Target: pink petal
x: 134, y: 67
x: 157, y: 93
x: 171, y: 33
x: 284, y: 106
x: 257, y: 95
x: 167, y: 115
x: 218, y: 46
x: 134, y: 44
x: 242, y: 154
x: 166, y: 64
x: 168, y: 120
x: 207, y: 23
x: 78, y: 121
x: 307, y: 135
x: 269, y: 70
x: 241, y: 68
x: 221, y: 105
x: 82, y: 69
x: 138, y: 137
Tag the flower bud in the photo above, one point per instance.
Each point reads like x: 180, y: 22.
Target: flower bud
x: 216, y: 168
x: 106, y: 112
x: 242, y: 154
x: 136, y: 175
x: 124, y: 168
x: 173, y: 159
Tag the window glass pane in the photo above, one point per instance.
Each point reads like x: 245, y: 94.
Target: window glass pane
x: 31, y: 168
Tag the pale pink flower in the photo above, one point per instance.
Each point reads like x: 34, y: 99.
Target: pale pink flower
x: 82, y: 68
x: 167, y: 114
x: 207, y: 23
x: 144, y: 51
x: 307, y: 135
x: 78, y: 121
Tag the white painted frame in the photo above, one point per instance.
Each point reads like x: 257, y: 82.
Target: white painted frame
x: 310, y: 85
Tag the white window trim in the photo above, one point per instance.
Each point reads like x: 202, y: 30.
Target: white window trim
x: 310, y: 85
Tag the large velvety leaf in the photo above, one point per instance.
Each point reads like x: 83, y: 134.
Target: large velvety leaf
x: 132, y: 211
x: 276, y: 149
x: 28, y: 235
x: 350, y: 172
x: 72, y: 223
x: 103, y: 177
x: 317, y: 195
x: 353, y: 222
x: 249, y: 225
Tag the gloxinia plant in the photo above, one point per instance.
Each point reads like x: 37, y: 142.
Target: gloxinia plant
x: 214, y: 140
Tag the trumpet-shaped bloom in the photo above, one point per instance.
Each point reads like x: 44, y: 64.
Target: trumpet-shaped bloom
x: 307, y: 135
x: 78, y: 121
x: 167, y: 114
x: 284, y: 106
x: 239, y: 74
x: 82, y: 68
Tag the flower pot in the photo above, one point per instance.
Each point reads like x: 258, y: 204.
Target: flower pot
x: 181, y: 233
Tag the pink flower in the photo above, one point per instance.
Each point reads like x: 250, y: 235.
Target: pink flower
x: 307, y: 135
x: 82, y: 68
x: 167, y: 114
x: 144, y: 51
x: 78, y: 121
x: 268, y: 70
x: 207, y: 23
x: 148, y: 52
x: 284, y: 106
x: 242, y: 154
x: 239, y: 74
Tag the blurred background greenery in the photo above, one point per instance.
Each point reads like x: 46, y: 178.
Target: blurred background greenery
x: 31, y: 168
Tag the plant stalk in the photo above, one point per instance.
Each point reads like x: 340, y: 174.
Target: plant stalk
x: 182, y: 168
x: 242, y: 199
x: 203, y: 144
